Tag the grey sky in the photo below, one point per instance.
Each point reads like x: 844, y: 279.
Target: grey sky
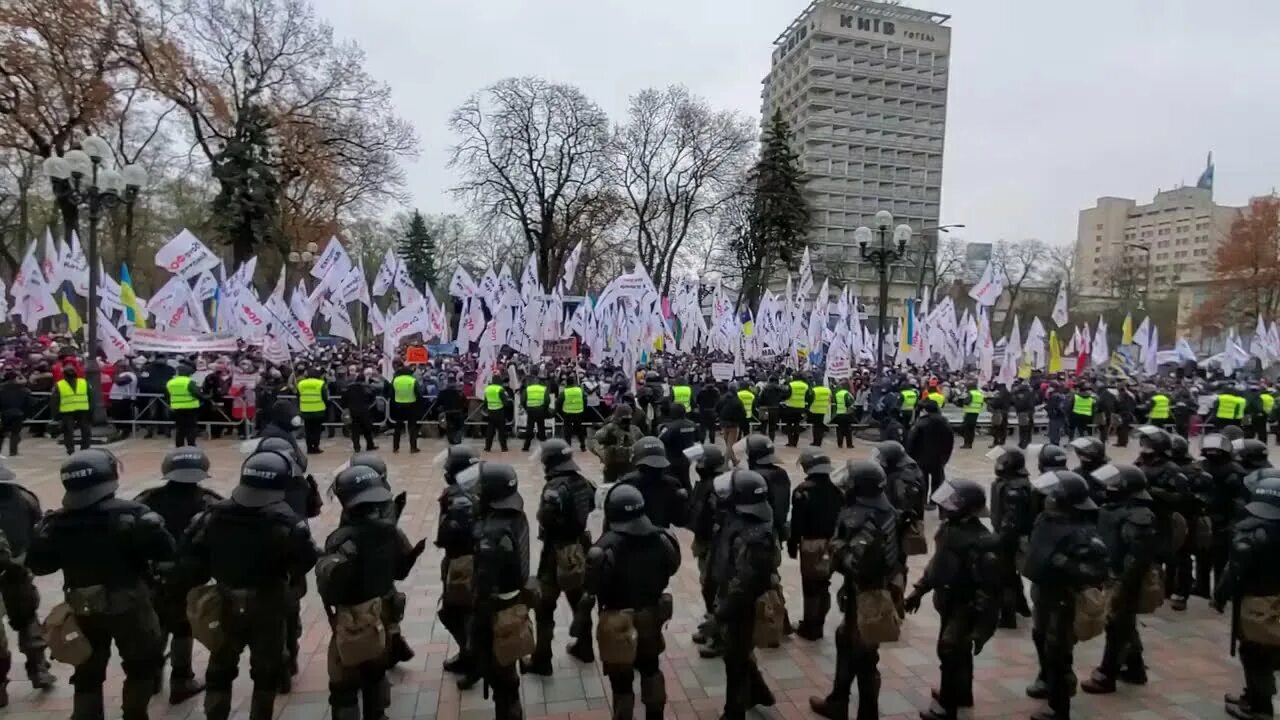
x: 1051, y: 104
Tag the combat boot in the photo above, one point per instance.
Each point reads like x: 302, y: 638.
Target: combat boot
x: 262, y: 705
x: 582, y: 650
x: 540, y: 662
x: 810, y: 627
x: 38, y: 670
x: 830, y: 708
x: 1135, y: 673
x: 88, y: 706
x: 653, y: 692
x: 400, y: 650
x: 134, y: 698
x: 183, y: 684
x: 1244, y: 709
x: 701, y: 635
x: 1099, y: 683
x: 623, y: 707
x: 217, y: 704
x: 937, y: 712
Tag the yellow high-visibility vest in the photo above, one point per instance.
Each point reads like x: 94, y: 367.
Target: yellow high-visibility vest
x: 909, y: 398
x: 1082, y: 406
x: 1268, y: 402
x: 683, y: 395
x: 73, y: 399
x: 1230, y: 407
x: 821, y: 400
x: 748, y: 399
x: 310, y: 395
x: 180, y: 397
x: 535, y: 396
x: 404, y: 389
x: 1159, y: 407
x: 937, y: 398
x: 573, y: 400
x: 976, y: 399
x: 493, y: 396
x: 799, y: 389
x: 844, y: 399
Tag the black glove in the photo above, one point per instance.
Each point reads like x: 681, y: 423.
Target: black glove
x: 978, y: 644
x: 912, y: 602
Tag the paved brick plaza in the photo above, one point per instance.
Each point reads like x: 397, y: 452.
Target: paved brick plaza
x: 1187, y: 652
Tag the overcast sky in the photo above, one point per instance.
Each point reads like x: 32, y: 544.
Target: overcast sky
x: 1051, y: 105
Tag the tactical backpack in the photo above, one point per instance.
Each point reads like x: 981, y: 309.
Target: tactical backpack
x: 617, y: 637
x: 512, y: 635
x: 571, y: 567
x: 458, y: 574
x: 771, y: 612
x: 205, y: 607
x: 815, y: 559
x: 877, y: 618
x: 1091, y: 609
x: 359, y: 633
x: 1259, y: 619
x: 67, y: 644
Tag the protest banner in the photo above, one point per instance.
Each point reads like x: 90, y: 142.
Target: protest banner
x: 722, y: 371
x: 566, y: 349
x: 146, y: 340
x: 415, y: 355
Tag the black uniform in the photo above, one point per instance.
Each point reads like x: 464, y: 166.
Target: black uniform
x: 1012, y: 516
x: 358, y: 398
x: 628, y: 570
x: 1221, y: 499
x: 999, y: 403
x: 962, y: 574
x: 19, y: 514
x: 750, y: 552
x: 1168, y: 488
x: 1024, y: 404
x: 1252, y: 586
x: 105, y: 548
x: 363, y: 558
x: 707, y: 399
x: 706, y: 514
x: 678, y: 435
x: 666, y: 499
x: 567, y: 499
x: 252, y: 546
x: 868, y: 554
x: 1065, y: 557
x: 815, y: 504
x: 455, y: 535
x: 501, y: 572
x: 453, y: 410
x: 177, y: 502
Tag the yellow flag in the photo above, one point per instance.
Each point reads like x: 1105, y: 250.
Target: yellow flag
x: 73, y: 316
x: 1055, y: 353
x: 1126, y: 330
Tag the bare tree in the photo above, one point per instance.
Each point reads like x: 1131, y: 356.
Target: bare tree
x: 1019, y: 262
x: 1060, y: 266
x: 677, y: 160
x: 949, y: 265
x: 534, y: 154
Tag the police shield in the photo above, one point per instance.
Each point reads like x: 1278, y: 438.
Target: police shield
x: 469, y: 479
x: 1045, y: 483
x: 1214, y: 441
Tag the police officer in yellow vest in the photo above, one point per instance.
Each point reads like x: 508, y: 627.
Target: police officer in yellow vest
x: 682, y: 394
x: 907, y: 411
x: 497, y: 405
x: 748, y: 400
x: 405, y: 408
x: 819, y: 406
x: 573, y: 403
x: 313, y: 401
x: 794, y: 406
x: 842, y: 416
x: 934, y: 394
x: 73, y: 409
x: 184, y: 405
x: 975, y: 400
x: 1159, y: 411
x: 534, y: 399
x: 1228, y: 409
x: 1081, y: 407
x: 1259, y: 407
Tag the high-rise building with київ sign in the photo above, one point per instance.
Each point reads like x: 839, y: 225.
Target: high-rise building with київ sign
x: 864, y: 87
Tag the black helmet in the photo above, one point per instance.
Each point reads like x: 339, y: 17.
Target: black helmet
x: 89, y: 476
x: 1050, y: 457
x: 864, y: 478
x: 1089, y: 449
x: 499, y: 487
x: 1232, y: 432
x: 650, y: 452
x: 264, y: 476
x: 359, y: 485
x: 1154, y: 441
x: 749, y: 494
x: 1251, y: 453
x: 815, y: 462
x: 297, y: 460
x: 958, y: 498
x: 1179, y: 449
x: 1009, y: 460
x: 1123, y: 480
x: 712, y: 459
x: 1215, y: 446
x: 556, y: 456
x: 624, y: 510
x: 1066, y: 489
x: 889, y: 453
x: 186, y: 465
x: 760, y: 450
x: 371, y: 459
x: 456, y: 458
x: 1264, y: 498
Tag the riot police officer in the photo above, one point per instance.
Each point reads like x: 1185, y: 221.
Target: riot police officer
x: 1252, y: 454
x: 1128, y: 527
x: 501, y: 573
x: 1012, y: 515
x: 762, y: 458
x: 566, y: 501
x: 866, y: 552
x: 1168, y: 488
x: 665, y: 498
x: 677, y: 435
x: 961, y: 574
x: 815, y: 504
x: 1092, y: 454
x: 1222, y: 500
x: 252, y: 546
x: 628, y: 570
x: 1065, y: 558
x: 750, y: 548
x: 455, y: 535
x: 1252, y: 585
x: 177, y: 502
x: 19, y: 514
x: 356, y: 577
x: 103, y: 545
x: 703, y: 518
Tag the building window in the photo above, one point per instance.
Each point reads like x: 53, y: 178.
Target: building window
x: 1098, y: 227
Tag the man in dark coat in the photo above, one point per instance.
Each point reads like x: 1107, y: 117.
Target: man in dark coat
x: 930, y: 442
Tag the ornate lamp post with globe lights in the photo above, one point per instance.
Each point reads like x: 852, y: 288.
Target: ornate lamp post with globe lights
x: 882, y: 256
x: 82, y: 177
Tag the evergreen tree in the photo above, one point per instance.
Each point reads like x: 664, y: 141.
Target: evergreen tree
x: 417, y: 249
x: 778, y: 218
x: 246, y: 210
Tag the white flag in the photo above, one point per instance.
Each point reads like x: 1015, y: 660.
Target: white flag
x: 300, y: 303
x: 376, y: 321
x: 354, y: 287
x: 108, y: 293
x: 1100, y: 354
x: 1059, y: 315
x: 75, y: 267
x: 206, y: 286
x: 1151, y: 363
x: 490, y: 291
x: 386, y: 273
x: 571, y: 268
x: 988, y: 289
x: 461, y: 285
x: 184, y: 255
x: 339, y: 321
x: 113, y: 344
x: 333, y: 259
x: 52, y: 265
x: 243, y: 276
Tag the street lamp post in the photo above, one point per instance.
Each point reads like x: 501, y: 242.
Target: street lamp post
x: 1146, y: 291
x: 931, y: 254
x: 82, y: 177
x: 882, y: 256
